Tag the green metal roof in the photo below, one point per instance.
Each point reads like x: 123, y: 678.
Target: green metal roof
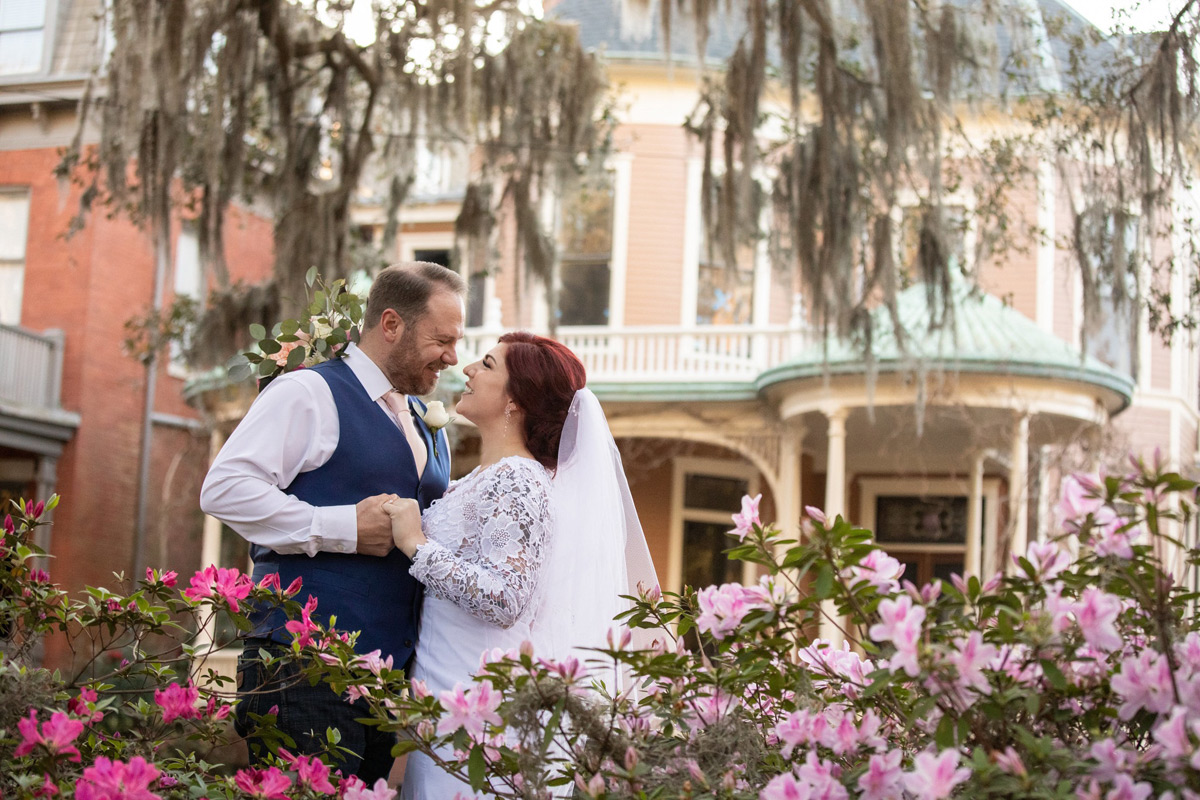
x: 983, y: 336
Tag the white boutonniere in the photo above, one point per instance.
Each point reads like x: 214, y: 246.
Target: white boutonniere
x: 435, y: 418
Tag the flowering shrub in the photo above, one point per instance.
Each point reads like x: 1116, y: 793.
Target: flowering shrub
x: 1075, y: 674
x: 1066, y: 676
x: 333, y: 317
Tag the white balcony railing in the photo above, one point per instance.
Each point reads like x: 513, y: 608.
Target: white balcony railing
x: 30, y: 367
x: 666, y: 354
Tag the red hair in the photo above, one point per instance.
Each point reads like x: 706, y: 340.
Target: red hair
x: 543, y: 377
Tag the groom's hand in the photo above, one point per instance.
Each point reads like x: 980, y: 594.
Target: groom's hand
x: 374, y: 526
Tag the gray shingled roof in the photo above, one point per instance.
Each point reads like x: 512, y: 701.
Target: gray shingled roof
x: 602, y: 28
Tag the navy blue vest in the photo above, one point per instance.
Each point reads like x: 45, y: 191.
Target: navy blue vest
x: 373, y: 595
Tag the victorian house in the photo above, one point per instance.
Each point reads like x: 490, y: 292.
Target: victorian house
x: 950, y: 448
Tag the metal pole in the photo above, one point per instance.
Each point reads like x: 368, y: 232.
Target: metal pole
x: 162, y: 258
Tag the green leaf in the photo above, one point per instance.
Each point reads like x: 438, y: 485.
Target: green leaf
x: 257, y: 331
x: 267, y: 367
x: 289, y: 327
x: 945, y: 732
x: 1054, y: 675
x: 310, y: 277
x: 270, y: 346
x: 404, y: 745
x: 824, y: 585
x: 296, y: 357
x: 475, y: 768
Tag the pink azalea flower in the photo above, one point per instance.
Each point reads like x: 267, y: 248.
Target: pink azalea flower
x: 355, y: 789
x: 709, y: 709
x: 1144, y: 681
x: 745, y: 521
x: 270, y: 582
x: 1125, y: 789
x: 10, y: 527
x: 57, y: 735
x: 311, y: 772
x: 265, y: 784
x: 722, y: 608
x: 80, y: 708
x: 969, y: 659
x: 48, y: 789
x: 816, y: 514
x: 302, y: 629
x: 116, y: 780
x: 935, y: 776
x: 178, y: 702
x: 1172, y: 734
x: 840, y: 663
x: 1096, y: 614
x: 879, y: 569
x: 471, y: 709
x: 213, y: 712
x: 1010, y: 762
x: 1081, y: 495
x: 883, y: 778
x: 1047, y: 560
x: 785, y: 787
x: 220, y: 582
x: 799, y: 728
x: 822, y: 778
x: 1108, y: 539
x: 900, y: 623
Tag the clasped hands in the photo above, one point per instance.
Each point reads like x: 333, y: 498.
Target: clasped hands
x: 387, y: 520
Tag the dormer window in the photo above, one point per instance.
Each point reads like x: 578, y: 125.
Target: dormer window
x: 22, y: 36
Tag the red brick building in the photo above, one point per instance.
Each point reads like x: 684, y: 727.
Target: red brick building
x: 71, y: 400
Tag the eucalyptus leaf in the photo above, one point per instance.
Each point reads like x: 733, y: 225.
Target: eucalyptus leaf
x: 296, y: 357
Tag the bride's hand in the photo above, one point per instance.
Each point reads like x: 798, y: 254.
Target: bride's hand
x: 406, y: 523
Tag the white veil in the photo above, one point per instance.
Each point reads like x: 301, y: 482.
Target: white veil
x: 598, y: 551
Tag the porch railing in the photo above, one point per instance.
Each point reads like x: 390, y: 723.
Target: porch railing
x: 655, y: 354
x: 30, y: 367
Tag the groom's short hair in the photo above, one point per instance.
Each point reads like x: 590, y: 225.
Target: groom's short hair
x: 406, y: 288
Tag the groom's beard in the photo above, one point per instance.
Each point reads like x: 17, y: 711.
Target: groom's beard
x: 405, y: 369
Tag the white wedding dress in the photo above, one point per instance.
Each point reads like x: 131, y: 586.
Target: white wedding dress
x: 482, y: 571
x: 514, y: 555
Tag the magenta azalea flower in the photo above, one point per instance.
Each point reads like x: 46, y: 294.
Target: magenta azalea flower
x: 116, y: 780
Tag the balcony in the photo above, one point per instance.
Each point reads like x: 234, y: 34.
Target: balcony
x: 636, y: 361
x: 31, y: 415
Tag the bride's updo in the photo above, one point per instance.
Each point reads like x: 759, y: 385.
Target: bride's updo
x: 543, y: 377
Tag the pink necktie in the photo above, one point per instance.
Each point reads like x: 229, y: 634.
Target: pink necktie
x: 398, y: 403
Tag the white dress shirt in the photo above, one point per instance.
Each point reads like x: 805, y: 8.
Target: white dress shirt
x: 291, y: 427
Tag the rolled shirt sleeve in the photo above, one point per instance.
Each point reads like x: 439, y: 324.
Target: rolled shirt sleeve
x: 292, y: 427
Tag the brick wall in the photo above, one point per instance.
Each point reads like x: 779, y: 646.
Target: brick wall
x: 88, y: 286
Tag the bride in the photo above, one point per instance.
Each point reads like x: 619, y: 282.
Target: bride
x: 536, y: 544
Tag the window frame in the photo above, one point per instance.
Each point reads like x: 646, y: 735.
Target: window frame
x: 871, y: 489
x: 47, y: 39
x: 620, y: 165
x: 681, y: 467
x: 21, y: 265
x: 694, y: 256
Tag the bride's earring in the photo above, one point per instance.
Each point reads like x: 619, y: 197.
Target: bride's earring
x: 507, y: 418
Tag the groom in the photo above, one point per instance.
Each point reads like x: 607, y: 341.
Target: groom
x: 303, y: 478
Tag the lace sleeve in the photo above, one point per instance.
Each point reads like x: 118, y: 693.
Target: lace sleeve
x: 493, y: 573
